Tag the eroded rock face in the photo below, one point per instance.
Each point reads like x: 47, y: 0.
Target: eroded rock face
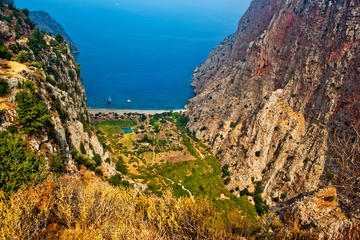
x: 273, y: 98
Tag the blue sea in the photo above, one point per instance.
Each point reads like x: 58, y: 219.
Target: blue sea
x: 142, y: 50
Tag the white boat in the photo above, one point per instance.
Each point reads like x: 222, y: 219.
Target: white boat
x: 129, y: 101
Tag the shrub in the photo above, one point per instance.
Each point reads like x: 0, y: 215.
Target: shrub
x: 36, y: 42
x: 4, y: 88
x: 227, y: 181
x: 120, y: 166
x: 257, y: 153
x: 36, y: 64
x: 23, y: 56
x: 260, y: 205
x: 98, y: 171
x: 59, y: 38
x: 56, y: 163
x: 225, y: 171
x: 245, y: 192
x: 82, y: 159
x: 233, y: 124
x: 54, y: 43
x: 116, y: 180
x: 31, y: 111
x: 97, y: 159
x: 18, y: 165
x: 2, y: 113
x: 82, y: 148
x: 4, y: 52
x: 50, y: 80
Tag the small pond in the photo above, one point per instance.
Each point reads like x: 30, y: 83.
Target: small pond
x: 126, y: 130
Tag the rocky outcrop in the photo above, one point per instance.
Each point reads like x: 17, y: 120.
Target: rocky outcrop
x: 56, y: 76
x: 279, y: 102
x: 46, y: 23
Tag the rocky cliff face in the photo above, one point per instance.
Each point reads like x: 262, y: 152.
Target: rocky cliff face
x: 279, y: 101
x: 46, y: 23
x: 50, y: 66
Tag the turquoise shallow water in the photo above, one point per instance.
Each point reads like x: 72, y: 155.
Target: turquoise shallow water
x: 142, y: 50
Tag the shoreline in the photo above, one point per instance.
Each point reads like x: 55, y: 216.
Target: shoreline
x: 124, y: 111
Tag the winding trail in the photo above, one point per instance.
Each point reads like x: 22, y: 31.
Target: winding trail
x: 182, y: 186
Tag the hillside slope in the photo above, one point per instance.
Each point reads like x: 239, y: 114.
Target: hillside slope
x: 46, y: 23
x: 51, y: 113
x: 279, y: 102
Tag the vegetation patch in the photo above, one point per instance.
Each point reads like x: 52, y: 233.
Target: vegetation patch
x: 32, y: 112
x: 4, y: 88
x: 18, y: 165
x: 111, y: 127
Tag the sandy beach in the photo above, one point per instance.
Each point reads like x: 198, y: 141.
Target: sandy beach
x: 124, y: 111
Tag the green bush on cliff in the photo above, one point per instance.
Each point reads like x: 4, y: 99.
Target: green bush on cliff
x: 59, y: 38
x: 23, y: 56
x: 32, y: 112
x: 97, y: 159
x: 121, y: 166
x: 82, y: 148
x: 18, y: 165
x: 4, y: 52
x: 2, y: 113
x: 56, y: 163
x: 260, y: 205
x: 4, y: 88
x: 37, y: 42
x: 82, y: 159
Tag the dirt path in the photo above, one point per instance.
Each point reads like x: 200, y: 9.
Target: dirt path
x: 182, y: 186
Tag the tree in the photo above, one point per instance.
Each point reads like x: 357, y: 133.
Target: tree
x: 18, y: 165
x: 121, y: 166
x: 59, y: 38
x: 31, y: 111
x: 36, y: 41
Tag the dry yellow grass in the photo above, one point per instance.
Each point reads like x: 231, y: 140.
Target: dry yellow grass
x: 69, y: 208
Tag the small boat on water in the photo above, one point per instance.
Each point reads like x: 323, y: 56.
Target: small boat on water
x: 128, y: 101
x: 109, y: 100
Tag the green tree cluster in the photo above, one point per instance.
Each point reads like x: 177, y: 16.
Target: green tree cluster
x: 37, y: 42
x: 18, y: 165
x: 32, y: 111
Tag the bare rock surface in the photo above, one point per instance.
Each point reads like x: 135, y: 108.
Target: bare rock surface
x: 279, y: 101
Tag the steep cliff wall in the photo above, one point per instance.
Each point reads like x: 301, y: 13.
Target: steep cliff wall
x: 279, y: 101
x: 30, y: 56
